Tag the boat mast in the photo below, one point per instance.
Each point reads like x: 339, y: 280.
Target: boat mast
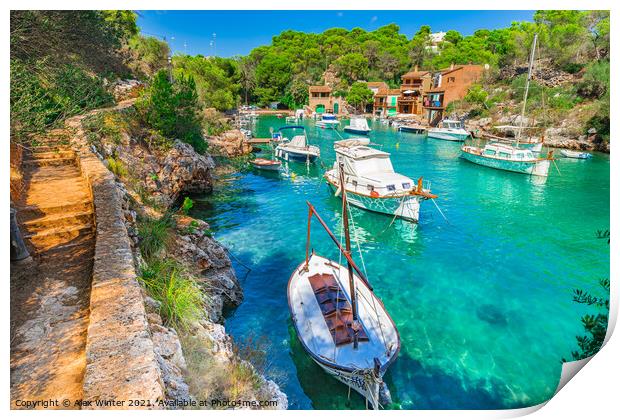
x: 347, y: 237
x: 527, y: 87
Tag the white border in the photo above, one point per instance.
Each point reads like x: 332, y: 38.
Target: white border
x: 593, y: 395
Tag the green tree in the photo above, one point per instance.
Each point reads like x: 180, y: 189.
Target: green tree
x: 148, y: 55
x: 273, y: 74
x: 352, y: 66
x: 595, y: 325
x: 453, y: 37
x: 420, y: 44
x: 359, y: 95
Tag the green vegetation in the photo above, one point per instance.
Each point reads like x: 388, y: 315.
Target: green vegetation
x: 359, y: 95
x: 58, y: 63
x: 187, y: 205
x: 595, y: 326
x: 173, y: 110
x: 181, y: 298
x: 116, y: 167
x: 154, y: 235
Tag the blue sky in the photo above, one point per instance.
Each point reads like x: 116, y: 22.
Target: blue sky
x: 238, y: 32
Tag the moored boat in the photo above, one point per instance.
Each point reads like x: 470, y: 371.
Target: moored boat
x: 358, y: 125
x: 416, y: 129
x: 508, y: 158
x: 373, y: 185
x: 340, y: 322
x: 450, y: 130
x: 328, y: 121
x: 297, y: 148
x: 575, y: 154
x: 266, y: 164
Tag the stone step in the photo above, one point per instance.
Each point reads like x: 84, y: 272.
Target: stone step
x: 51, y: 154
x: 56, y: 220
x: 51, y: 148
x: 34, y: 212
x: 50, y: 162
x: 85, y: 240
x: 48, y: 239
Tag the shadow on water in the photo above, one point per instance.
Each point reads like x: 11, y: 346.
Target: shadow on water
x: 432, y: 388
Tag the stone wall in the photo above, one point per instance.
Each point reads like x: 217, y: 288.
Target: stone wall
x: 121, y: 362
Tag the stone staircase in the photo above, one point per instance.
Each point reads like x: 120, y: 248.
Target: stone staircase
x: 57, y: 208
x: 50, y: 295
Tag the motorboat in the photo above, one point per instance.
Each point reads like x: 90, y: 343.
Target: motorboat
x: 297, y: 148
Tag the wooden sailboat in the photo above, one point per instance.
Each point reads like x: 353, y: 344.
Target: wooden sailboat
x: 503, y: 154
x: 340, y: 322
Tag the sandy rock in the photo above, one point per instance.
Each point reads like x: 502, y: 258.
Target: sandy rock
x: 230, y: 143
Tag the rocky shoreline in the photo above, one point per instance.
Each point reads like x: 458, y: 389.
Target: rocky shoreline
x: 153, y: 181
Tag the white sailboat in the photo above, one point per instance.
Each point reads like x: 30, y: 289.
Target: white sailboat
x: 373, y: 185
x: 340, y: 322
x: 499, y: 154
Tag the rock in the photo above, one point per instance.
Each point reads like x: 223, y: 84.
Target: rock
x: 167, y: 345
x: 230, y: 143
x: 274, y: 392
x: 151, y: 305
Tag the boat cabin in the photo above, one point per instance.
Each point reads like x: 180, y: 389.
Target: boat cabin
x: 369, y: 171
x: 451, y: 124
x: 503, y: 151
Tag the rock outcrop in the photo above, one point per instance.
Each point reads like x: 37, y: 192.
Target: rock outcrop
x: 164, y: 175
x: 229, y: 144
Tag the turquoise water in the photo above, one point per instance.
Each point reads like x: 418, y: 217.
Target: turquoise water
x: 483, y: 301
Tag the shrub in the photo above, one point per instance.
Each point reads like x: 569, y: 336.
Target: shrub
x: 154, y: 234
x: 116, y: 167
x: 595, y: 81
x: 187, y: 205
x: 180, y: 296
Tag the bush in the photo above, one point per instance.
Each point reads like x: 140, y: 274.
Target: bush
x: 180, y: 296
x: 42, y: 95
x: 116, y: 167
x: 154, y: 235
x: 187, y: 205
x: 595, y: 81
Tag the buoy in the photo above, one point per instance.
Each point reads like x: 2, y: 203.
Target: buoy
x: 293, y: 175
x: 397, y: 145
x: 374, y: 194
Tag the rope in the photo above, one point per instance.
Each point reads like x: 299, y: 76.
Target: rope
x: 440, y: 212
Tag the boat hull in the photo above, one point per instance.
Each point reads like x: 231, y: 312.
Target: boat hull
x: 297, y: 156
x: 413, y: 130
x: 535, y: 167
x: 575, y: 155
x: 406, y: 208
x: 356, y: 131
x: 273, y: 168
x: 444, y: 135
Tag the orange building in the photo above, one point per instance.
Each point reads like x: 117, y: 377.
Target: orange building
x: 386, y: 102
x: 415, y: 83
x: 321, y: 100
x: 449, y: 85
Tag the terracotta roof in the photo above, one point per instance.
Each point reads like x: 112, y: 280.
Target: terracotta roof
x: 414, y: 74
x: 377, y: 84
x: 320, y: 89
x: 385, y: 92
x: 457, y: 67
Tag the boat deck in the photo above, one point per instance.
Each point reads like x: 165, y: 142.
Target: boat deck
x: 382, y: 339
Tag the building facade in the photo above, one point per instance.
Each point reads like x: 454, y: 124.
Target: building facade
x: 321, y: 100
x: 448, y: 85
x: 415, y: 83
x: 386, y: 102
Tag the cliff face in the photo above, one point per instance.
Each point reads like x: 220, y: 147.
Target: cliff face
x: 197, y: 362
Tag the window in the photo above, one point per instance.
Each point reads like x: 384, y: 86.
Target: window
x: 370, y: 188
x: 520, y: 155
x: 406, y: 185
x: 354, y: 184
x: 451, y: 79
x: 489, y: 152
x: 391, y: 187
x: 504, y: 155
